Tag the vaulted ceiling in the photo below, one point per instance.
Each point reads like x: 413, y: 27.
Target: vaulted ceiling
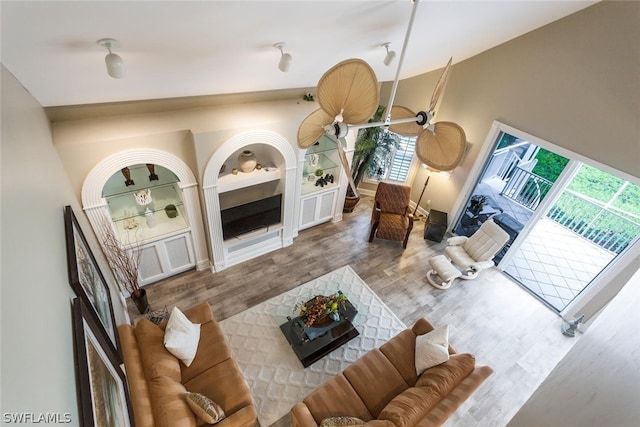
x: 190, y: 48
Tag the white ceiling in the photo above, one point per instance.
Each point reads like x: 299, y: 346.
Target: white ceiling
x: 184, y: 48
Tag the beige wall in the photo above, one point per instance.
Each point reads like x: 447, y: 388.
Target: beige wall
x: 38, y: 374
x: 574, y: 83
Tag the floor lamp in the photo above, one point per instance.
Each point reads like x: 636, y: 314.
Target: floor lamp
x: 421, y: 194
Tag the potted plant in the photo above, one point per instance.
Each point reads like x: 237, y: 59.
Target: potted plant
x: 321, y: 309
x: 372, y: 155
x: 125, y: 264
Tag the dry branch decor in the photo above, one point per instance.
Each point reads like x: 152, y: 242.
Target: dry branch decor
x: 124, y: 262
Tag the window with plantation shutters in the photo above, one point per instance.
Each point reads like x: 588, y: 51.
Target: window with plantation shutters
x: 401, y: 161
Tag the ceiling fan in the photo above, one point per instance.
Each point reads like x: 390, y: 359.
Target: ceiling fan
x: 348, y: 95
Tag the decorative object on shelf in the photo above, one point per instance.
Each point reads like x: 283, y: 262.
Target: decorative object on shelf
x: 130, y: 223
x: 308, y: 97
x: 311, y: 177
x: 152, y: 172
x: 86, y: 279
x: 234, y: 171
x: 222, y: 168
x: 314, y: 159
x: 143, y: 197
x: 326, y: 180
x: 259, y: 166
x: 247, y: 161
x: 477, y: 203
x: 149, y: 218
x: 124, y: 262
x: 127, y: 177
x: 319, y: 172
x: 171, y: 211
x: 321, y: 309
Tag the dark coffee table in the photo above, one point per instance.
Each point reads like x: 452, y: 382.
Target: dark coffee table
x: 311, y: 344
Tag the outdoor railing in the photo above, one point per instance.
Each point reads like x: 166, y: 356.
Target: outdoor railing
x: 526, y: 188
x: 609, y: 228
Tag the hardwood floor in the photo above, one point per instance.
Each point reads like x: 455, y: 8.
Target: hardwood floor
x: 491, y: 317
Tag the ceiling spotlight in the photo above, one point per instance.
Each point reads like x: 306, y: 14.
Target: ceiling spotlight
x: 391, y: 55
x: 285, y: 58
x: 115, y: 65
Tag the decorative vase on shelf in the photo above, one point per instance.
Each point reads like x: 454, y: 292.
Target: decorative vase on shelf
x: 247, y: 161
x: 151, y: 220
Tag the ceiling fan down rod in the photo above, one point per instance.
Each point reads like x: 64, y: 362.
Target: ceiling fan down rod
x: 421, y: 118
x: 400, y: 60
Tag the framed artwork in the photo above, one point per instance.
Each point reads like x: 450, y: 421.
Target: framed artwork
x: 87, y: 280
x: 102, y: 387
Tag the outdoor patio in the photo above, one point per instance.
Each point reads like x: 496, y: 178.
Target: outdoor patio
x: 554, y: 263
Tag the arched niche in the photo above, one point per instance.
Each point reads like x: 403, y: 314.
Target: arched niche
x: 95, y: 206
x: 276, y: 153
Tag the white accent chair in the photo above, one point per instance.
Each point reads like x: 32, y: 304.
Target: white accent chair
x: 465, y: 257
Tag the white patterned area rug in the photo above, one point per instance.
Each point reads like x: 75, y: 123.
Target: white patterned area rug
x: 275, y: 375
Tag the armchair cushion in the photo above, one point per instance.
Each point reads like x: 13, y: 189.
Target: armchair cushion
x: 456, y: 240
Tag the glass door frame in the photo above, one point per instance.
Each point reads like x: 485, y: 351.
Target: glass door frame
x: 610, y: 280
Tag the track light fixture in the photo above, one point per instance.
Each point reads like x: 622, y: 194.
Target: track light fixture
x: 285, y: 58
x: 391, y: 55
x: 115, y: 65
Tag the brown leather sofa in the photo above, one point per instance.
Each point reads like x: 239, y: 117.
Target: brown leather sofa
x: 158, y: 380
x: 383, y: 389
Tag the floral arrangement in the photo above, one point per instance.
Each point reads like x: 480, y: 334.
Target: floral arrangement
x: 477, y: 203
x: 321, y: 306
x: 308, y: 97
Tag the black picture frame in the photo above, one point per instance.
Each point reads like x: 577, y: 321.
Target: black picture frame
x: 103, y: 395
x: 87, y: 280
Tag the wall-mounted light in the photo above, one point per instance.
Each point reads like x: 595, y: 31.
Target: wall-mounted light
x: 390, y: 54
x: 285, y: 58
x: 115, y: 64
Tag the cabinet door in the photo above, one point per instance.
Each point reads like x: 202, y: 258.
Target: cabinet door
x: 166, y: 257
x: 179, y: 253
x: 151, y: 264
x: 326, y: 208
x: 308, y: 211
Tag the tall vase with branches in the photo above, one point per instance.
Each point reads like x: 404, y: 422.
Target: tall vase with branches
x: 125, y: 263
x: 373, y: 151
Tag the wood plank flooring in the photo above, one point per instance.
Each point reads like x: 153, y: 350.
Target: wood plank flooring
x: 491, y: 317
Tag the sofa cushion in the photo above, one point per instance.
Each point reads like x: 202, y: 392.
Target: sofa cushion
x: 376, y: 380
x: 212, y: 349
x: 156, y: 360
x: 432, y: 348
x: 224, y: 384
x: 204, y: 408
x: 170, y: 408
x: 410, y: 406
x: 444, y: 377
x: 336, y: 398
x: 400, y: 350
x: 181, y: 336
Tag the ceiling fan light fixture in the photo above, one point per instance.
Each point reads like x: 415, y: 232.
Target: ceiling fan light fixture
x: 391, y: 55
x: 285, y: 58
x: 115, y: 64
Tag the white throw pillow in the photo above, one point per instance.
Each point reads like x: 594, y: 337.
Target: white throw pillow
x: 432, y: 349
x: 181, y: 337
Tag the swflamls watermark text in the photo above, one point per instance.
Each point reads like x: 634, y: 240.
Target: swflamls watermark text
x: 36, y: 417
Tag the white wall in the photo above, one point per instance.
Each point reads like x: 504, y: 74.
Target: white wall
x: 38, y: 373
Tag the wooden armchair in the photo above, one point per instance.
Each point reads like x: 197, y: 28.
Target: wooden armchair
x: 390, y: 218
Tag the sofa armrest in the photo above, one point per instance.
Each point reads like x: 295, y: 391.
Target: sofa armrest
x: 456, y: 240
x: 138, y: 387
x: 482, y: 265
x: 448, y: 405
x: 301, y: 416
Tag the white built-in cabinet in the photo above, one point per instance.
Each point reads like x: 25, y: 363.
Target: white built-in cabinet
x: 320, y: 184
x: 159, y: 229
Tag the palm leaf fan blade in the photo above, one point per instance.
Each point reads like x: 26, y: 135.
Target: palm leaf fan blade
x: 443, y: 148
x: 351, y: 88
x: 312, y: 128
x: 442, y: 82
x: 404, y: 129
